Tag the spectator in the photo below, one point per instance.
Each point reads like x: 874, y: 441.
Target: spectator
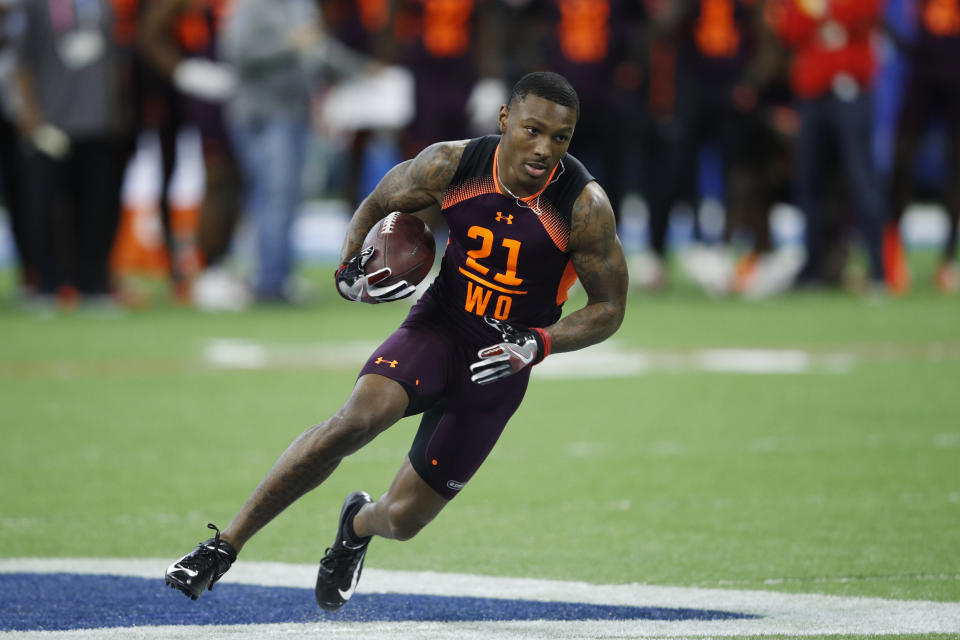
x: 364, y: 27
x: 179, y: 38
x: 71, y: 119
x: 724, y: 62
x: 11, y: 27
x: 155, y: 108
x: 832, y: 75
x: 931, y: 88
x: 452, y: 48
x: 277, y: 49
x: 659, y: 133
x: 762, y: 178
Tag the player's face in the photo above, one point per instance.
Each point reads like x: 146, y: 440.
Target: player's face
x: 536, y: 134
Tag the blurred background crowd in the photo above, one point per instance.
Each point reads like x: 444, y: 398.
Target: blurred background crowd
x: 764, y: 145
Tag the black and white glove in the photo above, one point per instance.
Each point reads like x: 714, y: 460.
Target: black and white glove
x: 354, y: 284
x: 520, y: 348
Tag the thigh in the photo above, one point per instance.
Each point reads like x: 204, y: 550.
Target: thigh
x: 417, y: 355
x: 458, y: 433
x: 461, y: 420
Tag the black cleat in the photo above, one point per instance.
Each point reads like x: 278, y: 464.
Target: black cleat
x: 201, y: 568
x: 342, y: 562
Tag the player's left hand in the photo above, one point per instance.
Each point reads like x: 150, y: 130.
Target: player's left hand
x: 520, y: 348
x: 355, y: 284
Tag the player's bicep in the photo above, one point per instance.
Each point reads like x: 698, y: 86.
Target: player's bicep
x: 595, y: 250
x: 419, y: 183
x: 399, y: 191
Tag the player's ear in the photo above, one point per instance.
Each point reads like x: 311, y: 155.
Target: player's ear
x: 503, y: 117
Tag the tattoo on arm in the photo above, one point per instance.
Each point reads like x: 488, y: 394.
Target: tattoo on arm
x: 599, y: 262
x: 410, y: 186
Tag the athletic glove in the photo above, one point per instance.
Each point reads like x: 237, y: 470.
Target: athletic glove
x: 354, y: 284
x: 520, y: 348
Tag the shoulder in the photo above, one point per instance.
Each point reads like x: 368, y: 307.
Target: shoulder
x: 434, y: 167
x: 592, y: 218
x: 576, y: 169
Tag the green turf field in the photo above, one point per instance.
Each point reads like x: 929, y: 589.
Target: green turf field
x: 122, y: 440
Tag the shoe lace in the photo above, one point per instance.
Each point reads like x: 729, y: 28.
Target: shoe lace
x: 213, y: 548
x: 335, y: 555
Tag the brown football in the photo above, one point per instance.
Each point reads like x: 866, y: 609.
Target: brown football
x: 403, y: 242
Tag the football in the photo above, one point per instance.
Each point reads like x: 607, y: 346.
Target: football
x: 405, y: 244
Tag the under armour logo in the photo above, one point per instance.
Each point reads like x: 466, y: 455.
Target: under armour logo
x: 501, y: 217
x: 393, y: 363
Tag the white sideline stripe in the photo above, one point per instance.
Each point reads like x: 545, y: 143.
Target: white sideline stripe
x: 230, y: 353
x: 612, y: 361
x: 781, y: 613
x: 606, y: 360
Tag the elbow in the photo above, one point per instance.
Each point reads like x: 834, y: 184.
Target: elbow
x: 617, y: 315
x: 612, y: 317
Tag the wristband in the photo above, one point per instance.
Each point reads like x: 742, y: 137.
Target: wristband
x: 543, y: 341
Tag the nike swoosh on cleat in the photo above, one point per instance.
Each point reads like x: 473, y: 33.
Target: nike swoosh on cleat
x: 190, y: 572
x: 353, y: 585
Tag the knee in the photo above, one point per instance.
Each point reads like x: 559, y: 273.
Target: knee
x: 339, y: 438
x: 349, y: 430
x: 370, y: 410
x: 403, y: 521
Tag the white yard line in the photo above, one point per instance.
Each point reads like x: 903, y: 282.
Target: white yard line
x: 779, y: 613
x: 609, y: 359
x: 606, y: 360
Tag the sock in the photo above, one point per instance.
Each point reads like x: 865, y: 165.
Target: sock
x: 352, y: 538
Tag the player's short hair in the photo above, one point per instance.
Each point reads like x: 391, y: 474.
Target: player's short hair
x: 549, y: 86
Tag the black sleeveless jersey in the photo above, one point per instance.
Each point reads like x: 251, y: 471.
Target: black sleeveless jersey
x: 506, y: 257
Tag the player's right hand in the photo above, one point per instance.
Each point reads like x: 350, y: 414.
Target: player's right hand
x: 520, y: 348
x: 353, y: 284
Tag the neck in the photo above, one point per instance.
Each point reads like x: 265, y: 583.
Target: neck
x: 511, y: 192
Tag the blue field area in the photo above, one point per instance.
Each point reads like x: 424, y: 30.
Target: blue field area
x: 59, y: 601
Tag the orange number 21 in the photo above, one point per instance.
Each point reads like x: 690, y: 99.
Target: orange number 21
x: 509, y: 277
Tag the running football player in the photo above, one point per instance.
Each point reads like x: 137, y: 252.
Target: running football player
x: 525, y: 220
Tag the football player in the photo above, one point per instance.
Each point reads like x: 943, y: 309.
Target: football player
x: 525, y: 220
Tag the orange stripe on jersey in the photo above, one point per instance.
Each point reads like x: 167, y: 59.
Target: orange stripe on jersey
x: 489, y: 284
x: 552, y: 222
x: 569, y: 277
x: 496, y: 179
x: 555, y: 226
x: 471, y: 188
